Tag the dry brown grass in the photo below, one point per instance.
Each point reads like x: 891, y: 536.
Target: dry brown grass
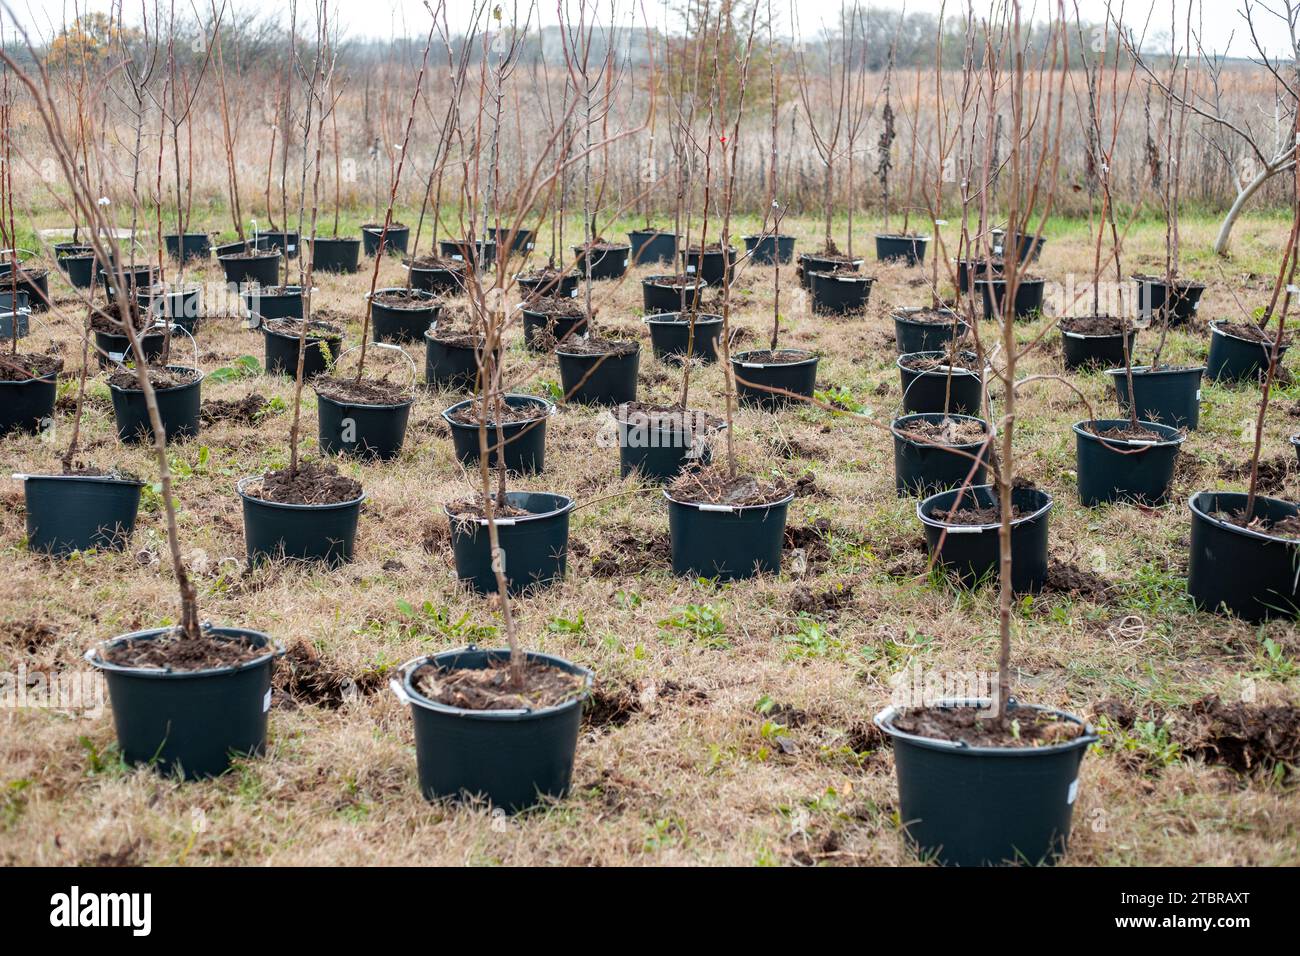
x: 685, y: 775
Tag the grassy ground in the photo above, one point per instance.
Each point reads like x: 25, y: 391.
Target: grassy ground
x: 727, y: 727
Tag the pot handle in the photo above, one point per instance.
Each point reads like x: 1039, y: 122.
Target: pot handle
x: 174, y: 327
x: 384, y: 345
x: 399, y: 691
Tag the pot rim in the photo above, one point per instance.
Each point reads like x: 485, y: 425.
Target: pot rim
x: 403, y: 686
x: 568, y: 505
x: 559, y: 350
x: 654, y: 232
x: 275, y: 649
x: 900, y: 315
x: 1176, y: 439
x: 884, y: 721
x: 855, y: 260
x: 431, y: 333
x: 609, y: 248
x: 701, y: 318
x: 332, y: 506
x: 760, y: 236
x: 392, y: 228
x: 860, y: 277
x: 1186, y: 284
x: 1020, y: 283
x: 729, y: 509
x: 614, y: 413
x: 288, y: 292
x: 894, y: 430
x: 49, y: 377
x: 654, y: 281
x: 1198, y: 512
x: 972, y: 528
x: 546, y: 410
x: 451, y: 270
x: 173, y: 388
x: 888, y: 235
x: 956, y: 370
x: 334, y: 401
x: 241, y: 257
x: 1266, y: 346
x: 101, y: 479
x: 330, y: 337
x: 328, y: 239
x: 738, y: 360
x: 1147, y: 370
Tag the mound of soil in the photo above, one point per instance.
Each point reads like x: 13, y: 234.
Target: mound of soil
x: 971, y: 515
x: 603, y: 245
x: 596, y: 346
x: 22, y: 367
x: 633, y: 552
x: 1244, y: 737
x: 1125, y: 433
x: 713, y: 486
x: 1093, y: 325
x: 1273, y: 472
x: 967, y: 361
x: 436, y: 262
x: 1025, y: 728
x: 492, y: 687
x: 470, y: 509
x: 254, y: 254
x: 368, y: 391
x: 312, y: 485
x: 845, y: 272
x: 779, y: 357
x: 317, y: 329
x: 1288, y: 527
x: 826, y: 602
x: 1063, y: 578
x: 930, y: 316
x: 127, y: 379
x: 379, y: 226
x: 305, y: 677
x: 108, y: 318
x: 459, y: 337
x: 1250, y: 332
x: 179, y: 652
x: 402, y: 299
x: 472, y: 413
x: 676, y: 282
x: 244, y: 411
x: 946, y: 431
x: 667, y: 417
x: 557, y: 307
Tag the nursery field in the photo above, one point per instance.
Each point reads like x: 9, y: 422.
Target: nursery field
x: 728, y: 723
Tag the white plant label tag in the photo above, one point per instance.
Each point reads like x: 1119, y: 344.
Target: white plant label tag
x: 266, y: 701
x: 1073, y: 792
x: 690, y: 269
x: 458, y: 257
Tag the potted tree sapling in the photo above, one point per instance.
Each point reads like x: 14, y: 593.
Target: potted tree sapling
x: 650, y: 244
x: 770, y: 246
x: 905, y: 246
x: 990, y: 779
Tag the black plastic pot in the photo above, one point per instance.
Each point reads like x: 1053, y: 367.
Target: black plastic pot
x: 448, y: 365
x: 371, y: 432
x: 799, y: 377
x: 178, y: 409
x: 809, y: 263
x: 1154, y: 292
x: 80, y: 270
x: 272, y: 531
x: 194, y: 245
x: 521, y: 240
x: 64, y: 249
x: 561, y: 328
x: 714, y: 266
x: 181, y: 308
x: 394, y: 242
x: 606, y: 379
x: 1028, y: 302
x: 909, y: 249
x: 726, y: 542
x: 536, y: 545
x: 1121, y: 470
x: 670, y: 336
x: 391, y: 324
x: 113, y: 350
x: 968, y: 270
x: 514, y: 759
x: 283, y: 303
x: 971, y: 551
x: 437, y: 280
x: 190, y: 722
x: 768, y: 250
x: 1167, y: 396
x: 35, y: 283
x: 1025, y: 245
x: 477, y: 253
x: 839, y: 295
x: 1082, y: 351
x: 525, y: 442
x: 9, y: 319
x: 564, y: 286
x: 923, y: 468
x: 911, y: 335
x: 67, y: 513
x: 661, y: 451
x: 1234, y: 359
x: 262, y: 269
x: 133, y: 277
x: 659, y: 296
x: 286, y: 242
x: 282, y: 354
x: 27, y: 405
x: 982, y: 806
x: 1248, y: 573
x: 649, y: 245
x: 337, y: 254
x: 608, y: 263
x: 926, y: 391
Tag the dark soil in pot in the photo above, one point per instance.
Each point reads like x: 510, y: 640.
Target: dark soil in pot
x: 450, y: 359
x: 80, y: 510
x: 825, y: 261
x: 1028, y: 301
x: 1154, y: 299
x: 662, y: 441
x: 178, y: 392
x: 966, y: 540
x: 265, y: 303
x: 553, y: 321
x: 1240, y: 351
x: 366, y: 418
x: 1120, y: 462
x: 769, y: 250
x: 436, y: 274
x: 523, y: 430
x: 476, y: 739
x: 723, y: 528
x: 193, y: 245
x: 926, y: 329
x: 712, y: 264
x: 335, y: 254
x: 308, y: 516
x: 28, y: 390
x: 1244, y: 565
x: 609, y: 260
x: 933, y: 380
x: 1169, y: 395
x: 251, y: 266
x: 321, y: 347
x: 402, y: 315
x: 653, y: 245
x: 672, y: 336
x: 473, y: 252
x: 934, y: 452
x: 909, y: 250
x: 843, y: 292
x: 599, y: 371
x: 187, y: 705
x: 395, y: 239
x: 978, y: 790
x: 793, y: 372
x: 1094, y: 341
x: 533, y: 531
x: 547, y: 282
x: 671, y: 293
x: 113, y: 346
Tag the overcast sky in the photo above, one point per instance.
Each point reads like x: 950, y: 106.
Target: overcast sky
x: 1222, y: 25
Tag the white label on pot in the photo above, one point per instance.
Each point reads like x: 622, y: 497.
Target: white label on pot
x: 530, y: 246
x: 1293, y: 289
x: 626, y: 263
x: 291, y: 248
x: 116, y: 356
x: 458, y: 257
x: 690, y: 268
x: 266, y: 701
x: 1198, y: 394
x: 573, y: 293
x: 1073, y: 792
